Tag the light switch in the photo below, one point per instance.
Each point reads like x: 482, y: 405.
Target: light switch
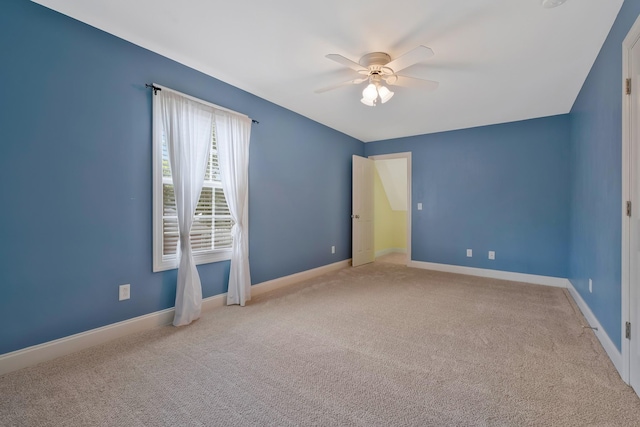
x: 419, y: 206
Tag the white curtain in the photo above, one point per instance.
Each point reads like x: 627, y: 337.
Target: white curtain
x: 233, y: 133
x: 188, y: 127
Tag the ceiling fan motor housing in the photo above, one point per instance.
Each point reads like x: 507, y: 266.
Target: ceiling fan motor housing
x: 375, y: 59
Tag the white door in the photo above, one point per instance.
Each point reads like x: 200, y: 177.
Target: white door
x: 362, y: 212
x: 634, y: 240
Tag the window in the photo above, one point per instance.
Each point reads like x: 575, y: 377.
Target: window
x: 211, y: 230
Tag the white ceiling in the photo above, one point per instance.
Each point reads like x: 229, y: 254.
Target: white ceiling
x: 496, y: 60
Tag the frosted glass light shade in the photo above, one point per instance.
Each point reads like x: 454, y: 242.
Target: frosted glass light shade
x: 385, y: 94
x: 370, y: 93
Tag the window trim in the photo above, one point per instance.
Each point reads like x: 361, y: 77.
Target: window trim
x: 163, y: 262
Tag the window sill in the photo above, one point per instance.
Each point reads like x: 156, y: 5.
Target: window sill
x: 202, y: 258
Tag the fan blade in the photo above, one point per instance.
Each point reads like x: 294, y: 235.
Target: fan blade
x: 419, y: 71
x: 345, y: 61
x: 405, y: 81
x: 414, y: 56
x: 336, y: 86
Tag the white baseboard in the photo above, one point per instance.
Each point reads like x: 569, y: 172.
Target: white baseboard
x: 605, y: 341
x: 53, y: 349
x: 493, y: 274
x: 388, y: 251
x: 281, y: 282
x: 210, y: 303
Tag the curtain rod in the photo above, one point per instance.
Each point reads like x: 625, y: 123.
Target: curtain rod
x: 158, y: 87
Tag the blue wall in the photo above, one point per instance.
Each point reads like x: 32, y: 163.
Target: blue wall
x: 596, y: 180
x: 75, y: 221
x: 502, y: 188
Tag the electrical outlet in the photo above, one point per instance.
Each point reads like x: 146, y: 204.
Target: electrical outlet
x: 469, y: 253
x: 124, y: 292
x: 333, y: 249
x: 492, y: 255
x: 590, y: 286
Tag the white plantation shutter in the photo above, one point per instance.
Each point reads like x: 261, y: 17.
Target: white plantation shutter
x: 211, y: 229
x: 213, y: 165
x: 223, y: 222
x: 169, y: 221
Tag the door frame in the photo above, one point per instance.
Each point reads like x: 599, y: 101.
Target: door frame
x: 632, y: 37
x: 404, y: 155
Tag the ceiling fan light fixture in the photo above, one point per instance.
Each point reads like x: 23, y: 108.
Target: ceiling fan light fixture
x: 377, y: 69
x: 548, y: 4
x: 385, y: 94
x: 370, y: 93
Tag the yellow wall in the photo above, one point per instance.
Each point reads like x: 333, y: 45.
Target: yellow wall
x: 390, y: 227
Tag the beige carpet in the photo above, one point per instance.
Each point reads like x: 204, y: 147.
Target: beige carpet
x: 393, y: 258
x: 377, y: 345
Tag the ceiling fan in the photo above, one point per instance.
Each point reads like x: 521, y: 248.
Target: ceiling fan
x: 378, y: 68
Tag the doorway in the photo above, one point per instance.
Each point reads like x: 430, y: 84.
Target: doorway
x: 392, y: 203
